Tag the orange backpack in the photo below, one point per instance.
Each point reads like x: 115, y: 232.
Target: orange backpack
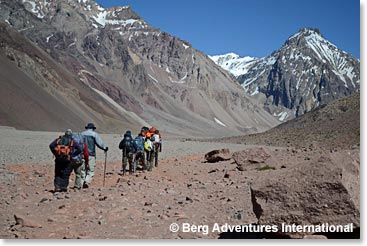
x: 63, y: 148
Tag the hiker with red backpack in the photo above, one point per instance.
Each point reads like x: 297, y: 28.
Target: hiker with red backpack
x: 64, y: 149
x: 92, y: 139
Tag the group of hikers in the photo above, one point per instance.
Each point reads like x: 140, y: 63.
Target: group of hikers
x: 77, y: 152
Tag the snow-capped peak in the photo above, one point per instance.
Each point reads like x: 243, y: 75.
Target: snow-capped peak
x: 312, y: 38
x: 234, y: 63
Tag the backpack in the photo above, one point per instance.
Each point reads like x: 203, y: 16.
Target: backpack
x: 63, y: 149
x: 127, y: 145
x: 139, y: 143
x: 147, y: 146
x: 79, y: 141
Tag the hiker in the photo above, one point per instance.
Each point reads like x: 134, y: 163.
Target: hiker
x: 92, y: 139
x: 128, y: 147
x: 79, y: 163
x: 157, y: 146
x: 64, y: 149
x: 149, y: 149
x: 144, y: 131
x: 150, y: 132
x: 154, y: 131
x: 140, y: 154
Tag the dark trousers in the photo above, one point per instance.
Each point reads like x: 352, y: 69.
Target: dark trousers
x: 128, y: 158
x: 150, y: 160
x: 139, y: 156
x: 63, y: 170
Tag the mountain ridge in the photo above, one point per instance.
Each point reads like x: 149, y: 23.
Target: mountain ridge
x: 161, y: 78
x: 307, y: 71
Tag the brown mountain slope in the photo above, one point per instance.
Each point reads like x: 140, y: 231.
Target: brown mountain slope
x: 115, y: 54
x: 38, y: 94
x: 332, y: 126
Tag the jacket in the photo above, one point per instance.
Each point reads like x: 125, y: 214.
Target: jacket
x: 93, y: 139
x: 128, y: 137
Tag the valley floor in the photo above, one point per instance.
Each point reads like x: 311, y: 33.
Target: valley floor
x: 183, y: 189
x: 138, y: 206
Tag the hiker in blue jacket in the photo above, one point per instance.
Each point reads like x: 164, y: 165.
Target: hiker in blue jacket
x: 92, y: 139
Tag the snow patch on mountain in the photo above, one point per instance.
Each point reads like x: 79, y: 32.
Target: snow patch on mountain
x: 103, y: 18
x: 154, y: 79
x: 35, y: 8
x: 219, y: 122
x: 233, y: 63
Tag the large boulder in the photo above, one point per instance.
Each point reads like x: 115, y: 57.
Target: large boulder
x: 325, y: 190
x: 218, y: 155
x: 253, y: 158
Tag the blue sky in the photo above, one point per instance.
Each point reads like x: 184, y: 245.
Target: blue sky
x: 250, y: 27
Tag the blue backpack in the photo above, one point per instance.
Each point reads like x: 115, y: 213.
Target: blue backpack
x: 78, y: 141
x: 139, y: 141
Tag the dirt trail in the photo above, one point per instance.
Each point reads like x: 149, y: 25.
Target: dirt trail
x: 183, y: 189
x: 137, y: 206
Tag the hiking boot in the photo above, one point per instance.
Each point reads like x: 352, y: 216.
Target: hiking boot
x: 57, y: 190
x: 85, y: 185
x: 76, y: 189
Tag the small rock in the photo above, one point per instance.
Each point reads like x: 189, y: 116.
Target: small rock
x: 23, y: 195
x: 226, y: 175
x: 103, y: 198
x: 148, y: 204
x: 25, y: 222
x: 189, y: 199
x: 43, y: 200
x: 213, y: 171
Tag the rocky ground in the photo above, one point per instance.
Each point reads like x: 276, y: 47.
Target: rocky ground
x: 133, y: 202
x: 250, y: 185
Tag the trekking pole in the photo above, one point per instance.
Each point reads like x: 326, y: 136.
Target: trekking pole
x: 105, y: 161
